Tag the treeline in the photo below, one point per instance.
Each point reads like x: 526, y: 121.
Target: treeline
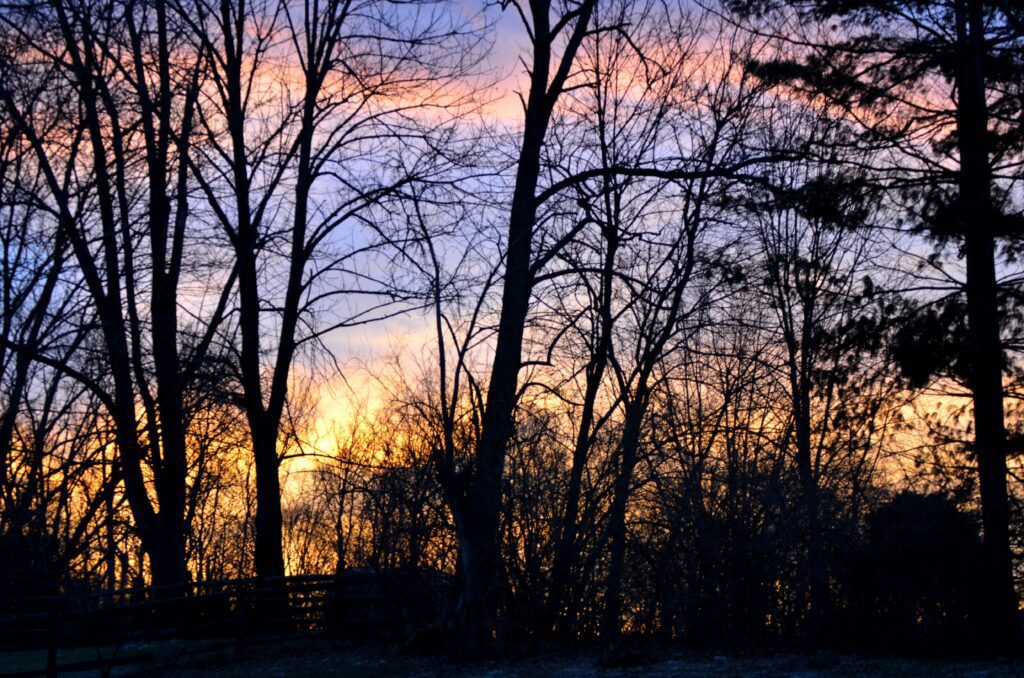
x: 715, y: 308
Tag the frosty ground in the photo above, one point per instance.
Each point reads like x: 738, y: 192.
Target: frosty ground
x: 326, y: 658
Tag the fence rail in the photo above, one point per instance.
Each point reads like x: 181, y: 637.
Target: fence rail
x: 230, y: 612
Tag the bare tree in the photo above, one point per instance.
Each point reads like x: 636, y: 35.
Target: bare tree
x: 291, y: 167
x: 135, y: 93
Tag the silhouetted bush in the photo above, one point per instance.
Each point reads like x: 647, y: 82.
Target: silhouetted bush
x: 915, y: 583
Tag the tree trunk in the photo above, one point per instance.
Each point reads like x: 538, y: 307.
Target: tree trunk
x: 480, y: 542
x: 817, y: 567
x: 617, y: 516
x: 269, y: 552
x: 999, y: 607
x: 477, y: 606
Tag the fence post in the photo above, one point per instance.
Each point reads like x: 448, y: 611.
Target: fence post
x: 240, y: 604
x: 51, y: 640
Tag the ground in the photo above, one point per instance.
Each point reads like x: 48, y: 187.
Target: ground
x: 331, y: 658
x: 324, y: 658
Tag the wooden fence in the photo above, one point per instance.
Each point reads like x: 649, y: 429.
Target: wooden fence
x: 233, y: 612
